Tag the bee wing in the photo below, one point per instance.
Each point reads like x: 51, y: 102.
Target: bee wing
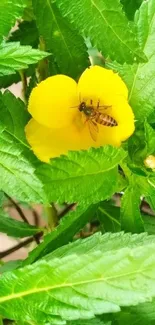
x: 103, y: 108
x: 93, y: 129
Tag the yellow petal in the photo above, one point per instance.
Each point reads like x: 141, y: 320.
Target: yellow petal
x: 48, y: 143
x: 54, y: 101
x: 100, y: 84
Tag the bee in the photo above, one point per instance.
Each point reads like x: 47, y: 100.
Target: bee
x: 94, y: 116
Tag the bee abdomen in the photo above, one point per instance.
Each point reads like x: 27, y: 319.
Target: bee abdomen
x: 105, y: 119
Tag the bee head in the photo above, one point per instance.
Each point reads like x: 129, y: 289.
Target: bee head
x: 82, y: 107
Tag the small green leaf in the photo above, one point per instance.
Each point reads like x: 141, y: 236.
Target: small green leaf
x: 109, y: 217
x: 87, y: 277
x: 16, y: 228
x: 11, y: 10
x: 68, y: 227
x: 82, y: 176
x: 14, y: 56
x: 141, y: 144
x: 26, y: 34
x: 131, y: 219
x: 67, y: 46
x: 130, y: 7
x: 138, y: 315
x: 106, y: 25
x: 14, y: 115
x: 149, y: 139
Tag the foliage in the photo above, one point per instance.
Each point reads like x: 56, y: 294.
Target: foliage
x: 106, y: 194
x: 86, y: 285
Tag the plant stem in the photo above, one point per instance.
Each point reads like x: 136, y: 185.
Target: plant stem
x: 24, y: 84
x: 68, y: 208
x: 21, y: 214
x: 52, y: 216
x: 18, y: 246
x: 18, y: 208
x: 43, y: 64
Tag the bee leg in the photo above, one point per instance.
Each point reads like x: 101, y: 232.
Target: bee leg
x: 98, y: 104
x: 86, y: 120
x: 91, y: 102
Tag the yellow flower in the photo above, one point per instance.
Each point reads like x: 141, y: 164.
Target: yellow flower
x: 58, y: 125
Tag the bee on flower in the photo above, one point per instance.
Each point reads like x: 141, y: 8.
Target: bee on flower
x: 73, y: 116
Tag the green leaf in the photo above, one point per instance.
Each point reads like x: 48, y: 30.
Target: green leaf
x: 16, y: 228
x: 68, y: 227
x: 109, y: 217
x: 26, y: 34
x: 6, y: 81
x: 138, y: 315
x: 94, y: 321
x: 82, y: 176
x: 10, y: 266
x: 14, y: 56
x: 106, y: 25
x: 149, y: 139
x: 17, y: 170
x: 60, y: 38
x: 88, y: 277
x: 11, y: 10
x: 149, y: 224
x: 130, y: 7
x: 140, y: 78
x: 28, y: 14
x: 141, y: 144
x: 131, y: 219
x: 14, y: 115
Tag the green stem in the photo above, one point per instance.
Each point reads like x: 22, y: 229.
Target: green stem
x: 24, y: 84
x: 43, y: 64
x: 52, y: 216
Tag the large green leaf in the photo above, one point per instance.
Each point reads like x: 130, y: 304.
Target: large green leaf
x: 16, y: 228
x: 140, y: 78
x: 14, y: 56
x: 130, y: 7
x: 131, y: 219
x: 10, y: 10
x: 60, y: 38
x: 14, y: 115
x: 83, y: 176
x: 17, y: 170
x: 88, y: 277
x: 106, y: 25
x: 68, y: 227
